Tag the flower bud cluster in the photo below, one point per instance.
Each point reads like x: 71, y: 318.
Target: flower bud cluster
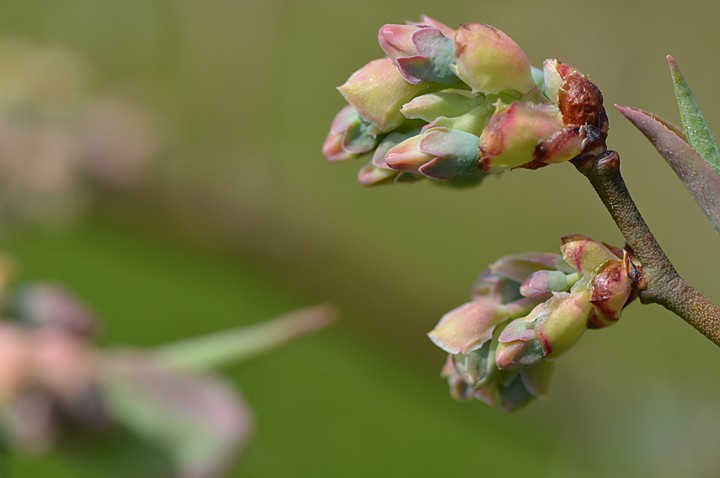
x: 527, y: 310
x: 446, y: 104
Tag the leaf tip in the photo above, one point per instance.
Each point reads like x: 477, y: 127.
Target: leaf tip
x: 674, y: 68
x: 622, y: 109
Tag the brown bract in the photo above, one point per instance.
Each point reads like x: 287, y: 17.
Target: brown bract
x: 581, y: 104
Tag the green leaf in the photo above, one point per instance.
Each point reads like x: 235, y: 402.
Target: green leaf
x: 695, y: 172
x: 237, y: 345
x: 698, y: 132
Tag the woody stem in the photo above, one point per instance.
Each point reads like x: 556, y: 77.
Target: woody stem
x: 663, y: 284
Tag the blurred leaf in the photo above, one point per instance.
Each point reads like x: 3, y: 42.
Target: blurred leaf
x: 698, y: 132
x: 197, y: 418
x: 695, y: 172
x: 214, y: 350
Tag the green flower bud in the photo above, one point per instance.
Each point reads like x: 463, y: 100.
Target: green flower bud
x: 449, y: 103
x: 551, y: 328
x: 377, y: 91
x: 459, y: 389
x: 489, y: 61
x: 585, y: 254
x: 537, y: 378
x: 438, y: 153
x: 477, y: 367
x: 471, y: 122
x: 541, y: 284
x: 561, y: 321
x: 518, y: 353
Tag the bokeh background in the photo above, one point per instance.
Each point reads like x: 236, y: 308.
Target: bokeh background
x: 239, y: 218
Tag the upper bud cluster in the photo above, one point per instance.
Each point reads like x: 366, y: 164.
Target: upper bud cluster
x: 446, y: 103
x: 527, y: 310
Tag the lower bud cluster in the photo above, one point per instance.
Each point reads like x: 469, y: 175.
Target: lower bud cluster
x: 527, y: 310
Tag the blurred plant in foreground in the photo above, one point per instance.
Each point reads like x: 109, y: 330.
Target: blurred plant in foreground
x: 58, y: 136
x: 60, y: 392
x: 458, y: 104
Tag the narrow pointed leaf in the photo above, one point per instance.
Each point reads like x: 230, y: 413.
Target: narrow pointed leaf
x: 215, y: 350
x: 695, y: 172
x: 698, y: 132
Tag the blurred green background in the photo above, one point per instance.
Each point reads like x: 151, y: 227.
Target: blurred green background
x: 243, y: 219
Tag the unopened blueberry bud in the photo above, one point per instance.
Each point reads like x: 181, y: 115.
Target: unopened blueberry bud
x: 377, y: 171
x: 518, y: 388
x: 489, y: 61
x: 519, y: 353
x: 449, y: 103
x: 585, y: 254
x: 478, y: 366
x: 514, y: 131
x: 377, y: 91
x: 459, y: 389
x: 541, y: 284
x: 514, y: 394
x: 611, y: 288
x: 333, y: 145
x: 371, y: 175
x: 561, y: 321
x: 422, y: 53
x: 519, y: 267
x: 550, y: 329
x: 468, y: 327
x: 438, y: 153
x: 471, y: 122
x: 536, y: 378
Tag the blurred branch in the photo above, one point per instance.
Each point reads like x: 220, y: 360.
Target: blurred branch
x: 664, y: 285
x: 215, y: 350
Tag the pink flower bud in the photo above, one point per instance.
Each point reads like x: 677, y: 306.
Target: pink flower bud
x: 377, y: 91
x: 438, y: 153
x: 431, y: 22
x: 541, y: 284
x: 514, y: 132
x: 422, y: 53
x: 396, y: 40
x: 490, y: 61
x: 467, y: 327
x: 333, y: 145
